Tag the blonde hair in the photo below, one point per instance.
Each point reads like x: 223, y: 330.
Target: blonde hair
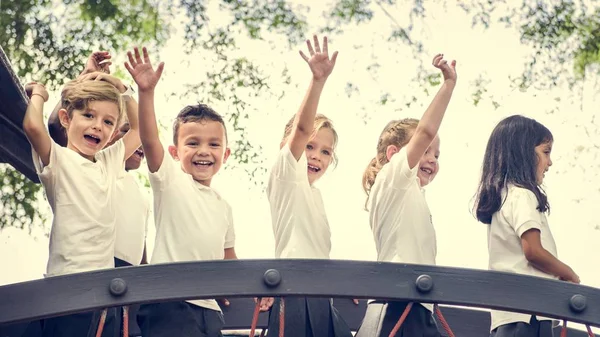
x: 396, y: 132
x: 321, y: 122
x: 77, y: 95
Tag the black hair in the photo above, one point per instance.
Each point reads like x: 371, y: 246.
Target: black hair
x: 510, y: 158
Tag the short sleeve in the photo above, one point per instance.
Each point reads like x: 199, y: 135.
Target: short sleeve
x: 287, y: 168
x: 160, y: 178
x: 45, y: 173
x: 113, y: 156
x: 230, y: 235
x: 397, y: 173
x: 521, y: 210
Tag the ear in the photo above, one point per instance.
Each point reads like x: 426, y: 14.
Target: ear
x: 63, y: 117
x: 226, y: 155
x: 390, y: 151
x: 173, y: 152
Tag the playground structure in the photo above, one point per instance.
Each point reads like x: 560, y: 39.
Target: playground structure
x: 240, y: 281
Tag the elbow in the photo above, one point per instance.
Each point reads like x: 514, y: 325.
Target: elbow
x: 31, y: 127
x: 426, y: 133
x: 532, y: 254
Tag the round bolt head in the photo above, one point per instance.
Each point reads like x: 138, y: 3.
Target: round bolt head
x: 578, y: 303
x: 272, y: 278
x: 424, y: 283
x: 118, y: 287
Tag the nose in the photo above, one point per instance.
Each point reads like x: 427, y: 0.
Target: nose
x: 314, y: 154
x: 202, y: 150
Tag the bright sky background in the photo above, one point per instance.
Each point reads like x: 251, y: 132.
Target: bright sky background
x: 572, y: 183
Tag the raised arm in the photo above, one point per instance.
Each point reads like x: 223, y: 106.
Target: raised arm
x: 540, y: 258
x: 33, y: 123
x: 321, y: 67
x: 147, y: 78
x: 98, y: 61
x: 432, y: 118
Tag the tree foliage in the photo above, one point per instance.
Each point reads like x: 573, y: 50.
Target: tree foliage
x: 47, y: 40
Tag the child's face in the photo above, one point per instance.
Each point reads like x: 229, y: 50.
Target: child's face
x: 543, y: 160
x: 429, y: 166
x: 135, y: 160
x: 89, y: 131
x: 201, y: 149
x: 319, y: 154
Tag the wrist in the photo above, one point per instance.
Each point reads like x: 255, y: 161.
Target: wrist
x: 34, y: 94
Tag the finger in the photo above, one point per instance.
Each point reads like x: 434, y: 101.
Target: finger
x: 138, y: 59
x: 146, y: 58
x: 453, y: 64
x: 159, y: 70
x: 226, y: 302
x: 443, y: 63
x: 128, y: 67
x: 325, y: 46
x: 334, y: 57
x: 311, y: 52
x: 355, y: 301
x: 304, y: 56
x: 131, y: 60
x: 437, y: 58
x: 317, y: 47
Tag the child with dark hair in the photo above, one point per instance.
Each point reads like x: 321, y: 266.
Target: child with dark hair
x: 511, y: 201
x: 193, y: 222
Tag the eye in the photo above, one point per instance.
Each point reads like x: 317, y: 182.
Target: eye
x: 87, y: 115
x: 309, y: 146
x: 108, y: 122
x: 215, y: 144
x: 192, y: 143
x: 326, y: 152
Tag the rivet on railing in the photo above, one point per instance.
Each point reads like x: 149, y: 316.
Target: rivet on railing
x: 118, y: 287
x: 578, y: 303
x: 424, y: 283
x: 272, y: 278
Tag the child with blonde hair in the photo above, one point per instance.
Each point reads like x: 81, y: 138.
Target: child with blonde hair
x: 298, y: 215
x: 406, y: 161
x: 80, y: 180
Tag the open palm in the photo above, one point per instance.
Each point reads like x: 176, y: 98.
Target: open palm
x: 319, y: 62
x: 142, y: 71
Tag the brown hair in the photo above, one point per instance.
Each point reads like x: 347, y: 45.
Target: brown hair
x: 321, y: 121
x: 396, y: 132
x: 196, y: 114
x: 77, y: 95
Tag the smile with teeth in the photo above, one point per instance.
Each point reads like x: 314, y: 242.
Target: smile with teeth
x: 92, y: 138
x: 313, y: 168
x: 427, y: 170
x: 202, y: 163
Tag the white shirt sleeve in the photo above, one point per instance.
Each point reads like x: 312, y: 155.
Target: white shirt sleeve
x: 45, y: 173
x: 398, y: 174
x: 113, y: 156
x: 230, y: 235
x: 287, y: 168
x: 164, y: 175
x: 521, y: 211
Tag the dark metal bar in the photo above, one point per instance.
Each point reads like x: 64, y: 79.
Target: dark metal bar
x: 346, y: 279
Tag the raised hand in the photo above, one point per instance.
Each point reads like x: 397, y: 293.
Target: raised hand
x: 98, y: 62
x: 448, y: 70
x: 141, y: 70
x: 34, y: 88
x: 99, y: 76
x: 319, y: 62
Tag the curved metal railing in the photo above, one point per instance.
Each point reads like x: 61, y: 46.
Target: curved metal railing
x: 329, y: 278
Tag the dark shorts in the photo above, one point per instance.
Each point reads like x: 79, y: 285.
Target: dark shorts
x: 381, y: 317
x: 535, y: 328
x: 80, y: 325
x: 180, y: 319
x: 308, y: 317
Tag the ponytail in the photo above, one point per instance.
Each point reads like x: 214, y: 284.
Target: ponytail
x: 369, y: 177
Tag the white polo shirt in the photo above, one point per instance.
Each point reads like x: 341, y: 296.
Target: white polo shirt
x: 133, y: 211
x: 517, y: 215
x: 193, y: 222
x: 81, y: 194
x: 399, y: 216
x: 297, y: 213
